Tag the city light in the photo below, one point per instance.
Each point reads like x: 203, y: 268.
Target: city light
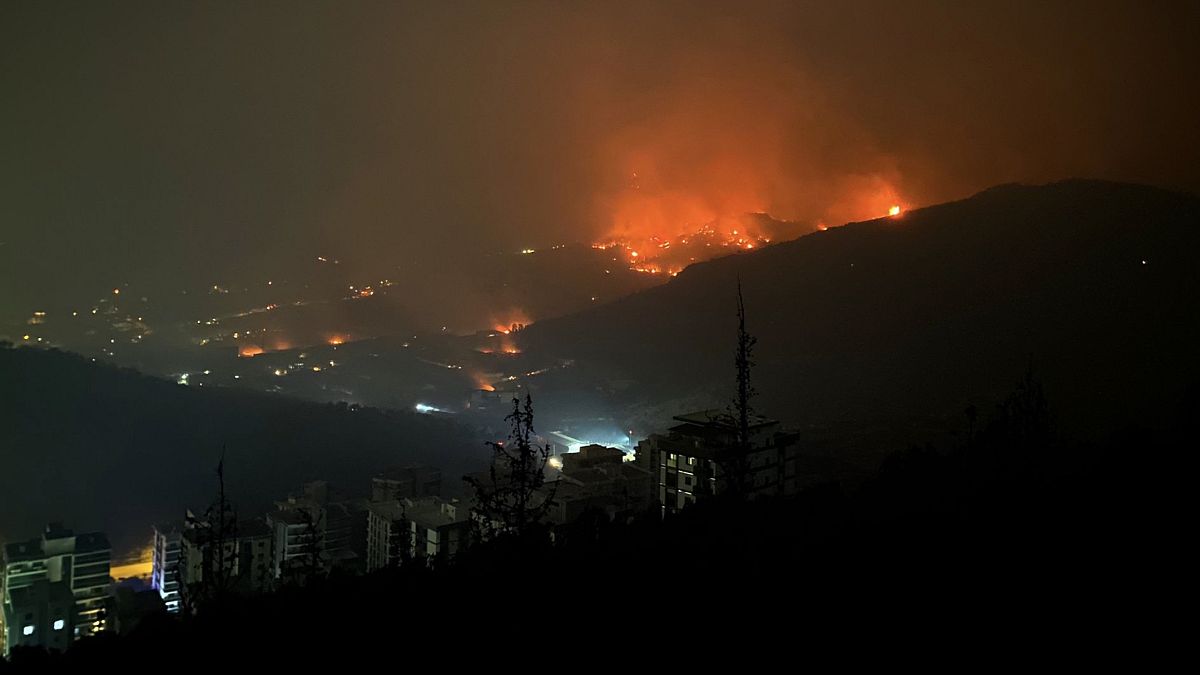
x: 425, y: 409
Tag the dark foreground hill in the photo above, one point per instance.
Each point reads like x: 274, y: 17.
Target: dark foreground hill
x: 951, y: 546
x: 1094, y: 283
x: 107, y: 448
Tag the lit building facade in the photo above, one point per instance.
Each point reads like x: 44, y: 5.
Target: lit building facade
x: 598, y: 478
x: 319, y: 520
x: 425, y: 528
x: 687, y: 463
x: 164, y: 573
x: 438, y: 528
x: 387, y: 531
x: 78, y: 563
x: 307, y: 526
x: 247, y: 556
x: 40, y: 615
x: 409, y: 481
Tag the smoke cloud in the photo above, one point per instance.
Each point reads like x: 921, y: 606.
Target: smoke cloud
x: 181, y: 142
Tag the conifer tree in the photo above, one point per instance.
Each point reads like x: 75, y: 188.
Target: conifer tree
x: 513, y: 499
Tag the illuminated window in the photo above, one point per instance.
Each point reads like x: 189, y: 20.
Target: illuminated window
x: 27, y: 630
x: 59, y: 624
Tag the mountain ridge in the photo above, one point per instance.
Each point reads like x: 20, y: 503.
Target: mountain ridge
x: 1008, y: 276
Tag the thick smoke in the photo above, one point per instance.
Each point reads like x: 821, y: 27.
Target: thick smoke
x: 190, y: 144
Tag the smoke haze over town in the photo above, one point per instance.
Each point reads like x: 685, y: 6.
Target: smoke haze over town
x: 169, y: 146
x: 376, y: 330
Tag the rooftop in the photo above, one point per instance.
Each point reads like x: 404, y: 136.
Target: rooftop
x: 716, y: 418
x: 256, y: 527
x: 34, y: 549
x: 91, y: 542
x: 390, y: 510
x: 289, y: 516
x: 436, y: 512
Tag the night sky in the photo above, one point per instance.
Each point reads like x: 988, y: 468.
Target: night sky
x: 172, y: 143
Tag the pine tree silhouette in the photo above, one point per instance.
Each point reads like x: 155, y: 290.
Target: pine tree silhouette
x: 734, y: 461
x: 512, y: 500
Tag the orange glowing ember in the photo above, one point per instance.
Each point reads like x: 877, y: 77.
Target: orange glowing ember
x: 248, y: 351
x: 894, y: 211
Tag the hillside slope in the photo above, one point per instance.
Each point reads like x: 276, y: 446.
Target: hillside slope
x: 1095, y: 283
x: 106, y: 448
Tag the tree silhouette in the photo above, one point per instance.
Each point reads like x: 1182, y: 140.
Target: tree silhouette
x: 400, y: 542
x: 512, y: 501
x: 215, y: 538
x: 734, y: 460
x: 1025, y: 413
x: 972, y: 414
x: 1022, y: 430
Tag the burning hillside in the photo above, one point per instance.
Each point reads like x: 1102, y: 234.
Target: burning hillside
x: 655, y: 254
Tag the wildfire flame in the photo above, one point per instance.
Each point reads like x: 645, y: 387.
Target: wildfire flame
x: 507, y: 346
x: 511, y: 321
x: 249, y: 351
x: 654, y: 254
x: 663, y: 221
x: 482, y: 383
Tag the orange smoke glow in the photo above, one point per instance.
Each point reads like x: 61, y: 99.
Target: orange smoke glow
x: 706, y: 184
x: 482, y: 383
x: 508, y: 346
x: 666, y: 234
x: 511, y: 321
x: 248, y: 351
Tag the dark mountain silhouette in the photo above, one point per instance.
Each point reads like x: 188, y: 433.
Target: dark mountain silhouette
x: 106, y: 448
x: 1094, y: 283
